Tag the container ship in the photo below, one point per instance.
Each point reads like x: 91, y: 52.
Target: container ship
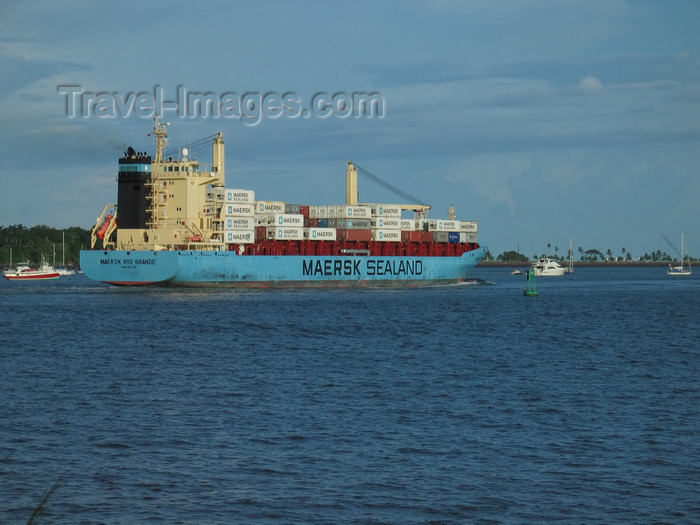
x: 177, y: 223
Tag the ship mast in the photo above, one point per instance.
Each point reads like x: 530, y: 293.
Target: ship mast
x: 160, y: 130
x: 157, y: 194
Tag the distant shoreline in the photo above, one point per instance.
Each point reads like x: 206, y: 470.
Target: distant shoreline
x: 500, y: 264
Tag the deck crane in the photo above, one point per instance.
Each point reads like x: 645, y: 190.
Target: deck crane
x: 351, y: 193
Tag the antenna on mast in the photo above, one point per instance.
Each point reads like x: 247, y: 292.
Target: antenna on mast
x: 160, y: 130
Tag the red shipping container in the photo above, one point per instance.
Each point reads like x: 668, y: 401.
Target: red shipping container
x: 412, y: 236
x: 354, y: 235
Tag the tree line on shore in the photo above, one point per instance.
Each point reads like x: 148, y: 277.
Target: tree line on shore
x: 41, y: 242
x: 591, y: 255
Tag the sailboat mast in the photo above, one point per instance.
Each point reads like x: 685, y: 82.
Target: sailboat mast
x: 570, y: 269
x: 682, y: 242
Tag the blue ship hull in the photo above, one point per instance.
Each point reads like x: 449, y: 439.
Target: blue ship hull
x: 227, y: 269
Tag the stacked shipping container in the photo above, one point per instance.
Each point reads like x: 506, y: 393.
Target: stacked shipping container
x: 238, y: 216
x: 247, y: 221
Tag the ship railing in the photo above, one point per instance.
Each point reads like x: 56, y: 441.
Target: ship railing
x: 347, y: 251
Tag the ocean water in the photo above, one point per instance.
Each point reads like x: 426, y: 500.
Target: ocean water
x: 455, y: 404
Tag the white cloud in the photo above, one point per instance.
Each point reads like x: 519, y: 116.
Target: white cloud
x: 490, y: 176
x: 589, y: 84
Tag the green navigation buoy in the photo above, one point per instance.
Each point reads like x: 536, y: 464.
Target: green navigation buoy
x: 530, y: 290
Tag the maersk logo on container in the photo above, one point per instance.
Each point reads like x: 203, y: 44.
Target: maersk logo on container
x: 448, y: 225
x: 243, y: 237
x: 240, y: 196
x: 270, y: 206
x: 386, y: 235
x: 389, y: 223
x: 288, y: 234
x: 322, y: 234
x: 289, y: 219
x: 468, y: 226
x: 357, y: 211
x: 240, y: 209
x: 240, y: 223
x: 386, y: 210
x: 440, y: 225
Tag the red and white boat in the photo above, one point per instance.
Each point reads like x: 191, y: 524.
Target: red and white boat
x: 24, y: 272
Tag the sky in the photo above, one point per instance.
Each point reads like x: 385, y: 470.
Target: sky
x: 544, y: 121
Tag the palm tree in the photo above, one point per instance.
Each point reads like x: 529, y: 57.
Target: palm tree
x: 593, y: 254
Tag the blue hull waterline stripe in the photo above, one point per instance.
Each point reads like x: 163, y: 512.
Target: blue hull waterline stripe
x: 221, y: 268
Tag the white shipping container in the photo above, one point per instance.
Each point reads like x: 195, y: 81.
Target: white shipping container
x: 441, y: 236
x: 468, y: 237
x: 231, y: 210
x: 289, y: 219
x: 341, y: 211
x: 284, y: 233
x: 240, y: 237
x: 239, y: 223
x: 321, y: 234
x: 269, y: 206
x: 351, y: 224
x: 264, y: 219
x: 408, y: 224
x: 318, y: 212
x: 443, y: 226
x: 357, y: 212
x: 386, y: 235
x: 231, y: 195
x: 386, y: 210
x: 468, y: 226
x: 388, y: 223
